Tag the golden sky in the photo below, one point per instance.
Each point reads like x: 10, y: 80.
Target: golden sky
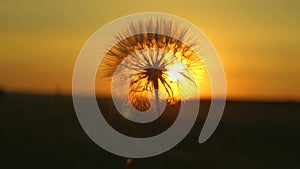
x: 258, y: 41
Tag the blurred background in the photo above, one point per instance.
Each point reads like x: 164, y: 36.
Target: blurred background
x: 257, y: 41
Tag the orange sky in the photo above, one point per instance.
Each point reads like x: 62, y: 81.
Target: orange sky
x: 258, y: 41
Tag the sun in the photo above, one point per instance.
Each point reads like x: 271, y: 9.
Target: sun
x: 175, y: 72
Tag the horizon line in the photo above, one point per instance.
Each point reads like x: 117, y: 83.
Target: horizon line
x: 228, y: 99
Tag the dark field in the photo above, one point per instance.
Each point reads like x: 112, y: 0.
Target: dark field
x: 43, y: 132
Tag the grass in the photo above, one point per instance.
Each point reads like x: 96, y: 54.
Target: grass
x: 39, y: 131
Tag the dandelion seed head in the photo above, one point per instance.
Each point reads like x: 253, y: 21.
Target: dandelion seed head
x: 151, y: 61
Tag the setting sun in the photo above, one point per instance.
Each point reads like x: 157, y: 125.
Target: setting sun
x: 175, y: 72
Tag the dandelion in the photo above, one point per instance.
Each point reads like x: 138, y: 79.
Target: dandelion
x: 153, y: 63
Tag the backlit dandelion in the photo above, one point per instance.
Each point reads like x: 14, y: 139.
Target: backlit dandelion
x: 153, y: 62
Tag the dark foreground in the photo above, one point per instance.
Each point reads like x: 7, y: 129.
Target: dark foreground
x: 43, y: 132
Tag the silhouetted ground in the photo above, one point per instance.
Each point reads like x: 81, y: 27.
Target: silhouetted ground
x: 43, y: 132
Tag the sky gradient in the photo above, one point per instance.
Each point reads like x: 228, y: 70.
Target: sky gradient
x: 257, y: 41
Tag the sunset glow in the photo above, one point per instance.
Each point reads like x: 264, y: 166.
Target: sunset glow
x: 257, y: 42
